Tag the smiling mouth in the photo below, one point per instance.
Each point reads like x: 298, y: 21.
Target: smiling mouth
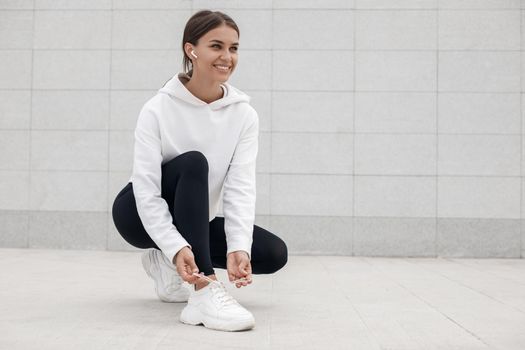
x: 222, y: 68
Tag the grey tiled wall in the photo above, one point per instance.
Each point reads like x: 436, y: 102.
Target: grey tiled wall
x: 388, y: 127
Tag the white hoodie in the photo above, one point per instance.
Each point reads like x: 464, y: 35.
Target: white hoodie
x: 173, y: 122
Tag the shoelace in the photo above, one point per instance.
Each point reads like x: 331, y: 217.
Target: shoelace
x: 217, y: 287
x: 243, y: 279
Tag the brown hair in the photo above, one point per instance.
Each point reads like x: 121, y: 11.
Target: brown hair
x: 197, y: 26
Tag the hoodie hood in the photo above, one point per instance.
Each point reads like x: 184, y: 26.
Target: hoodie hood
x: 175, y: 88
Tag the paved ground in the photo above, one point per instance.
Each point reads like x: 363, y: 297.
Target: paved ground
x: 65, y: 299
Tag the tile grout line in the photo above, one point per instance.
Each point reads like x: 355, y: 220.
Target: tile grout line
x: 108, y: 176
x: 436, y: 222
x: 353, y: 135
x: 29, y: 217
x: 521, y: 136
x: 270, y: 176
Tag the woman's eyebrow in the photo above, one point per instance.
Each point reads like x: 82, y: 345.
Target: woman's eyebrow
x: 220, y: 42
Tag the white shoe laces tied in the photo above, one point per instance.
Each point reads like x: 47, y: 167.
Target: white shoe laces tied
x: 219, y: 289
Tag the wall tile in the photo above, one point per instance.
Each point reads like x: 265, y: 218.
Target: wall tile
x: 479, y: 238
x: 319, y: 29
x: 405, y: 30
x: 479, y: 113
x: 312, y: 4
x: 143, y: 70
x: 15, y: 109
x: 262, y: 206
x: 395, y: 196
x: 126, y: 106
x: 68, y: 191
x: 14, y: 187
x: 68, y: 230
x: 522, y: 43
x: 148, y: 29
x: 312, y: 111
x: 262, y: 101
x: 300, y: 70
x: 395, y: 237
x: 73, y: 4
x: 479, y: 155
x: 399, y: 4
x: 314, y: 234
x: 121, y: 146
x: 487, y: 71
x: 14, y: 150
x: 71, y: 69
x: 479, y: 4
x: 72, y: 30
x: 151, y: 4
x: 479, y: 197
x: 17, y: 4
x: 486, y: 30
x: 311, y: 153
x: 15, y: 69
x: 395, y: 71
x: 232, y: 4
x: 522, y: 239
x: 16, y: 31
x: 264, y: 153
x: 324, y: 195
x: 255, y: 27
x: 401, y: 112
x: 254, y: 70
x: 395, y: 154
x: 72, y: 110
x: 15, y: 228
x: 69, y: 150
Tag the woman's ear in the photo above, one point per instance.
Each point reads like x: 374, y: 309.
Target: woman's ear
x: 187, y: 50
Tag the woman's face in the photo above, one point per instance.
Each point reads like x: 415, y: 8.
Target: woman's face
x: 216, y: 54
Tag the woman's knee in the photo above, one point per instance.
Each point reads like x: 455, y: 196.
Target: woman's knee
x: 191, y: 161
x: 281, y: 255
x: 276, y: 256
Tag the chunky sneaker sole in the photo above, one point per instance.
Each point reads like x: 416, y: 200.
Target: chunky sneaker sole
x: 192, y: 316
x: 165, y: 277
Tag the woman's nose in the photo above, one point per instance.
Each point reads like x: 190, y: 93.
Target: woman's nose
x: 226, y: 55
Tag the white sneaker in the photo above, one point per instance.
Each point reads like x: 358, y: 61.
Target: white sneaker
x: 214, y: 307
x: 168, y: 284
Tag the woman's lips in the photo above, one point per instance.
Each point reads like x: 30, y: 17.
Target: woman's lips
x: 222, y: 68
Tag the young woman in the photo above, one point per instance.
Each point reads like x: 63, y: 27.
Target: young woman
x: 196, y: 141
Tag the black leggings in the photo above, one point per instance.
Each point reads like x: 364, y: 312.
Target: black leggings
x: 185, y: 189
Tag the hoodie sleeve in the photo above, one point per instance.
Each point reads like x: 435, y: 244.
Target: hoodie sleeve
x: 146, y: 178
x: 239, y: 190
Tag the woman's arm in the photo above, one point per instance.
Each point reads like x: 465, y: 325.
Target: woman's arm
x: 146, y: 178
x: 240, y: 190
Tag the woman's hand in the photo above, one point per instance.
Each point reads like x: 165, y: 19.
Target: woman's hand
x: 185, y: 263
x: 239, y: 266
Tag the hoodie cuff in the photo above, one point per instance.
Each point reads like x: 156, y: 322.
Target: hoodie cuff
x: 172, y: 251
x: 236, y: 247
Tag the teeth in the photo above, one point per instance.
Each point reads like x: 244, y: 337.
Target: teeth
x: 223, y: 67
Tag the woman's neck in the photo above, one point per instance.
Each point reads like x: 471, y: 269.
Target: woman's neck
x: 204, y: 90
